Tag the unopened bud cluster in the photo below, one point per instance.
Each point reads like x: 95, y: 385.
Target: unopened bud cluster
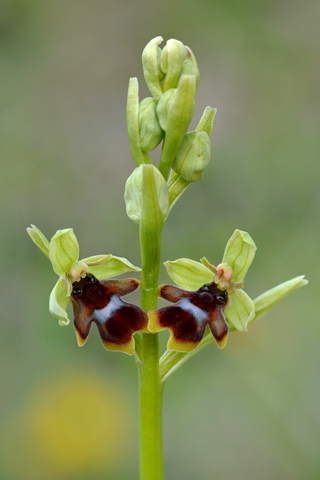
x: 172, y: 76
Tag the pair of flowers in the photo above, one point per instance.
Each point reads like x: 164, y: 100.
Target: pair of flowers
x: 208, y: 296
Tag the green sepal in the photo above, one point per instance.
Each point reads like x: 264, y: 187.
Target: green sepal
x: 110, y: 267
x: 150, y: 131
x: 240, y: 310
x: 151, y: 58
x: 63, y: 250
x: 264, y: 302
x: 239, y: 254
x: 188, y: 274
x: 146, y: 185
x: 39, y: 239
x: 173, y: 56
x: 59, y: 298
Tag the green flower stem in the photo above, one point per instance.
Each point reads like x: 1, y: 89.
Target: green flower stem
x: 150, y: 393
x: 150, y: 385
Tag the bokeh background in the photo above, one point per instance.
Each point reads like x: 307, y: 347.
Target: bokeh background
x: 249, y: 411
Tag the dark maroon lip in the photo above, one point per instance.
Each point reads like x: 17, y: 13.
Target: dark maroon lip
x: 115, y: 324
x: 193, y: 312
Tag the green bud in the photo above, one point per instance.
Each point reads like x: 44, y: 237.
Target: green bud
x: 163, y: 108
x: 175, y: 110
x: 146, y: 178
x: 63, y: 250
x: 240, y: 310
x: 239, y: 253
x: 39, y: 239
x: 176, y: 106
x: 173, y: 56
x: 150, y: 131
x: 268, y: 299
x: 188, y: 274
x: 59, y: 299
x: 151, y: 58
x: 190, y: 65
x: 193, y: 156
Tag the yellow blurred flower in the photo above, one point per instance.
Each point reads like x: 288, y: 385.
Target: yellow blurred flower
x: 71, y: 425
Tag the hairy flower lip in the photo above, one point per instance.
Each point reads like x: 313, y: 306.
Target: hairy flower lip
x: 192, y: 313
x: 100, y: 302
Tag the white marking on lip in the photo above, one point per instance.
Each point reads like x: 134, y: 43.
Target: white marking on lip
x: 199, y: 314
x: 103, y: 314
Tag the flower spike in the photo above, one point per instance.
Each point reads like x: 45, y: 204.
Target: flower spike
x: 188, y: 319
x: 99, y: 302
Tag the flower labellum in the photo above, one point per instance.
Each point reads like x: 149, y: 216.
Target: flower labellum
x: 99, y: 302
x: 188, y: 319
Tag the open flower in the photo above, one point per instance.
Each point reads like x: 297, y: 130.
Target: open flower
x: 75, y: 275
x: 211, y: 296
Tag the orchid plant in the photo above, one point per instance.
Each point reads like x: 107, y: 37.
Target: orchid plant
x: 208, y: 302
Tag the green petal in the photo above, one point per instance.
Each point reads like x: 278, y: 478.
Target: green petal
x: 188, y: 274
x: 96, y: 260
x: 39, y: 239
x: 59, y: 300
x: 110, y: 267
x: 239, y: 253
x: 240, y: 310
x: 63, y: 250
x: 268, y: 299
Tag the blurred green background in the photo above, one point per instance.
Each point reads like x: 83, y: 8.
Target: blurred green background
x: 249, y: 411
